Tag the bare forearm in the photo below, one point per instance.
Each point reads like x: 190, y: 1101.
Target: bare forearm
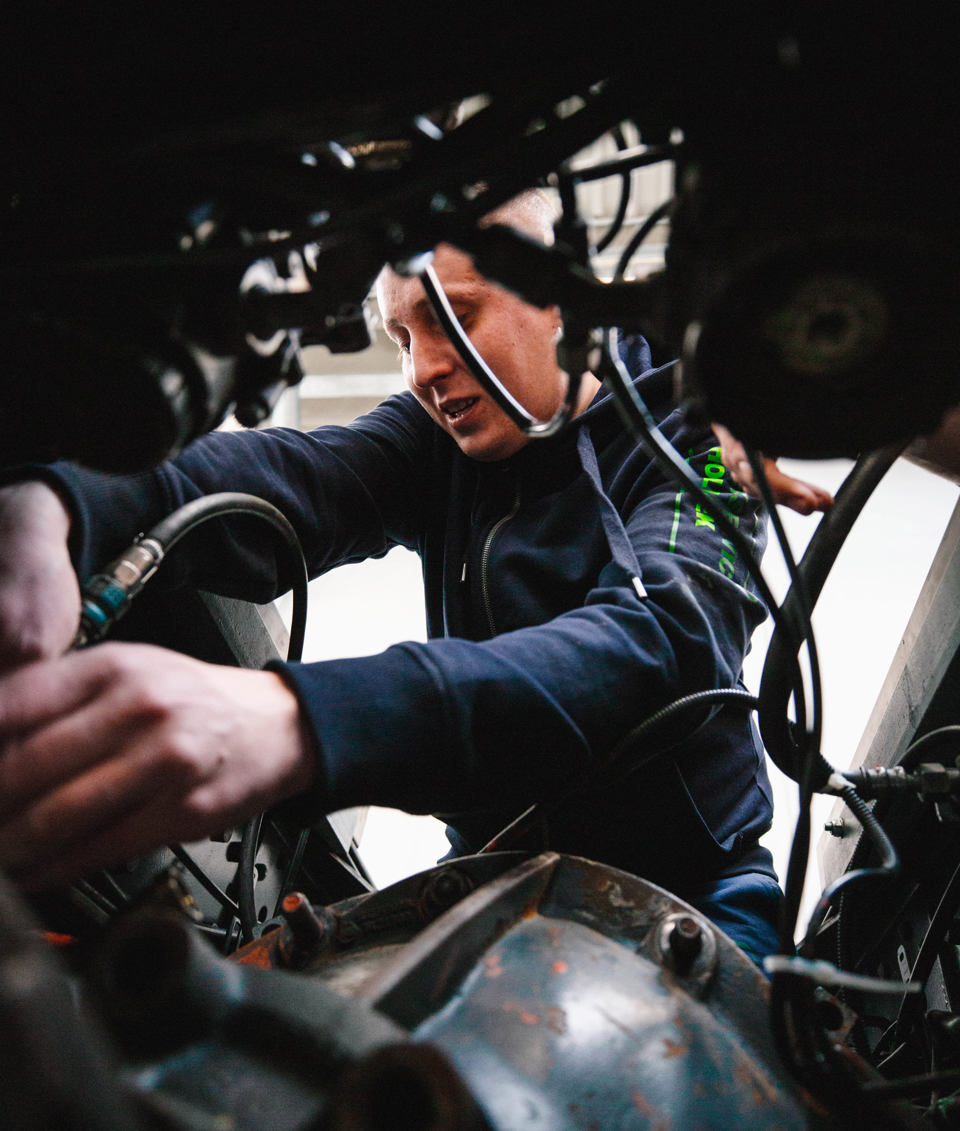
x: 39, y: 595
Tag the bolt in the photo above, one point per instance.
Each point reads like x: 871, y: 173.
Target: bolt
x: 304, y: 933
x: 685, y: 941
x: 443, y: 890
x: 836, y: 828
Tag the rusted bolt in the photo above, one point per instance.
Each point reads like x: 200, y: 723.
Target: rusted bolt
x: 304, y: 933
x: 443, y: 890
x: 348, y: 931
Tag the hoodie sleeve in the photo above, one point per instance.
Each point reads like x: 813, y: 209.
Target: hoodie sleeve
x: 350, y: 492
x: 454, y: 725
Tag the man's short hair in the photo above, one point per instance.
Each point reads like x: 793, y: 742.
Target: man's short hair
x: 531, y: 212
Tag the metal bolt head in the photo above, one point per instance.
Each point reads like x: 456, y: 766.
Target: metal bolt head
x: 681, y: 942
x: 685, y: 938
x: 304, y: 934
x: 443, y: 890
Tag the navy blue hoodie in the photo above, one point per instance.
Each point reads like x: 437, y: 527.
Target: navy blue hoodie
x: 571, y: 593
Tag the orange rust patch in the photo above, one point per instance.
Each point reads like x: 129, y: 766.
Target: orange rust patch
x: 492, y: 963
x: 760, y: 1088
x: 260, y: 957
x: 673, y: 1049
x: 641, y: 1103
x: 56, y: 939
x: 653, y: 1117
x: 559, y: 967
x: 526, y: 1017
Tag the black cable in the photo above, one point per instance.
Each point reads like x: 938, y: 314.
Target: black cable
x: 659, y: 213
x: 628, y: 160
x: 293, y: 866
x: 170, y: 530
x: 789, y: 629
x: 802, y: 620
x: 640, y: 421
x: 609, y: 772
x: 529, y: 425
x: 247, y: 876
x: 941, y: 919
x: 203, y: 879
x: 796, y: 1028
x: 626, y: 186
x: 803, y: 1044
x: 88, y: 891
x: 107, y: 595
x: 804, y: 613
x: 721, y: 696
x: 798, y: 1032
x: 788, y: 621
x: 168, y: 533
x: 911, y: 1085
x: 887, y: 868
x: 643, y: 427
x: 806, y: 764
x: 776, y: 682
x: 932, y: 736
x: 119, y: 894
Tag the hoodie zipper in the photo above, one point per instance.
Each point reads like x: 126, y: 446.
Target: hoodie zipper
x: 485, y: 558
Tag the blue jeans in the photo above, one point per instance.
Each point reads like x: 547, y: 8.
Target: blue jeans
x: 745, y: 907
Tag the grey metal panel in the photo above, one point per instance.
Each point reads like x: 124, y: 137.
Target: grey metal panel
x: 255, y: 634
x: 920, y: 691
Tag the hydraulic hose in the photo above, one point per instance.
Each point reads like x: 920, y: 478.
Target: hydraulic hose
x: 815, y: 565
x: 108, y: 595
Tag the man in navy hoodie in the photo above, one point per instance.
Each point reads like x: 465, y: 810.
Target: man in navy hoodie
x: 571, y: 593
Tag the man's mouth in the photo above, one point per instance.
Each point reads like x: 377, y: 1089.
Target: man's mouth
x: 455, y: 409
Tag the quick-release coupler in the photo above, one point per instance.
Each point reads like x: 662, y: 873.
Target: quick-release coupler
x: 107, y: 595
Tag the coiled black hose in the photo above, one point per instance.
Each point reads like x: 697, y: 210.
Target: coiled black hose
x: 779, y: 666
x: 108, y: 595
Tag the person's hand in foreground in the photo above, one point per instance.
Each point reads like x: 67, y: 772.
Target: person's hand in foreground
x: 119, y: 749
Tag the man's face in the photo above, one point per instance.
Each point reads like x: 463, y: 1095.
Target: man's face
x: 515, y: 339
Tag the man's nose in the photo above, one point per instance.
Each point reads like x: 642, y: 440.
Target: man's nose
x: 432, y: 358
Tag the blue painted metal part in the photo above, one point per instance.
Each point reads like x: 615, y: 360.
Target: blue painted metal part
x: 500, y: 992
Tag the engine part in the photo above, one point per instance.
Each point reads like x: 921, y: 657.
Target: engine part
x: 515, y: 992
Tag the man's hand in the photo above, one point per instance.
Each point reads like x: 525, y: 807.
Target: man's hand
x: 805, y: 498
x: 39, y: 595
x: 117, y: 750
